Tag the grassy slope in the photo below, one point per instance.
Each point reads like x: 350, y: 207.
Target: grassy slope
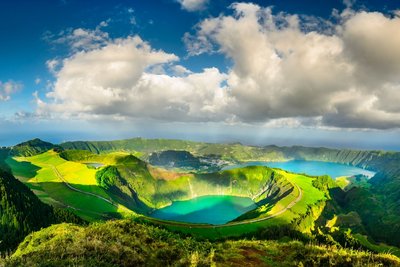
x: 21, y: 212
x: 241, y: 182
x: 124, y: 243
x: 295, y: 215
x: 84, y: 156
x: 378, y: 247
x: 311, y: 196
x: 146, y: 146
x: 376, y: 160
x: 37, y: 172
x: 164, y: 192
x: 384, y: 187
x: 136, y: 178
x: 31, y: 147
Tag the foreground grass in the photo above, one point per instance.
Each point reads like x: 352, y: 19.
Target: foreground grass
x: 125, y: 243
x: 382, y: 248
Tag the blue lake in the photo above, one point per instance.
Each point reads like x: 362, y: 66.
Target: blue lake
x: 206, y: 209
x: 310, y: 167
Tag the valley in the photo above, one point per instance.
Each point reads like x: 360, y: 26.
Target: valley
x: 243, y: 192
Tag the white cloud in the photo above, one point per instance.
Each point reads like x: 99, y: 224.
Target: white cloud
x: 283, y: 71
x: 180, y: 70
x: 120, y: 79
x: 52, y: 65
x: 9, y: 88
x: 80, y: 38
x: 37, y: 81
x: 193, y: 5
x: 286, y: 71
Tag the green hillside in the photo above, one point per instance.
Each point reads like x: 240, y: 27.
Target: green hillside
x: 234, y: 152
x: 125, y: 243
x: 374, y: 160
x: 377, y: 206
x: 110, y: 180
x: 31, y: 148
x: 21, y: 212
x: 64, y: 183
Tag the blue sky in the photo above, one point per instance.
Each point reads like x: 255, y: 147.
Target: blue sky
x: 319, y: 73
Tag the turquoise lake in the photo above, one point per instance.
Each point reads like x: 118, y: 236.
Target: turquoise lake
x: 222, y: 209
x: 206, y: 209
x: 310, y: 167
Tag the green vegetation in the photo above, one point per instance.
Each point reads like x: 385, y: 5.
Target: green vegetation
x: 130, y: 181
x: 4, y: 153
x: 376, y: 212
x: 173, y: 158
x: 84, y: 156
x: 124, y: 243
x: 51, y: 178
x: 351, y: 211
x: 300, y: 215
x: 31, y: 148
x: 377, y: 203
x: 21, y: 212
x: 347, y: 183
x: 145, y: 147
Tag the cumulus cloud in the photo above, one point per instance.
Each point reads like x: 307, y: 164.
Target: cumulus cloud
x: 193, y: 5
x: 287, y: 70
x: 119, y: 80
x: 180, y: 70
x: 8, y: 88
x: 282, y: 70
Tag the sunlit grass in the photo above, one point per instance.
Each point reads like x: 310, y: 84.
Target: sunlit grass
x: 51, y: 189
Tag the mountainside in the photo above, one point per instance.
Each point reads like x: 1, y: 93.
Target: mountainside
x: 31, y: 148
x: 378, y: 206
x: 21, y: 212
x: 173, y: 158
x: 133, y: 181
x: 362, y: 214
x: 373, y: 160
x: 4, y: 153
x: 125, y: 243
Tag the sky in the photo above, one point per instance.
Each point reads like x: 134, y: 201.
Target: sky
x: 314, y: 73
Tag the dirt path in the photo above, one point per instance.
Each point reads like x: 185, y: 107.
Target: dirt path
x: 55, y: 170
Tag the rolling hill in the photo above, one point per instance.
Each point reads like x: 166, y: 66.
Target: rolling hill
x: 109, y: 180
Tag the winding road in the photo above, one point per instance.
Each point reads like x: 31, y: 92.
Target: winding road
x: 59, y: 175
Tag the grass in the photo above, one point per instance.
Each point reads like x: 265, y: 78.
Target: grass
x: 381, y: 248
x: 40, y: 176
x: 310, y: 197
x: 342, y: 181
x: 38, y: 173
x: 124, y: 243
x: 346, y: 183
x: 247, y: 181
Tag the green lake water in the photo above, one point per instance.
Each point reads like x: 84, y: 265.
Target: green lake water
x: 206, y: 209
